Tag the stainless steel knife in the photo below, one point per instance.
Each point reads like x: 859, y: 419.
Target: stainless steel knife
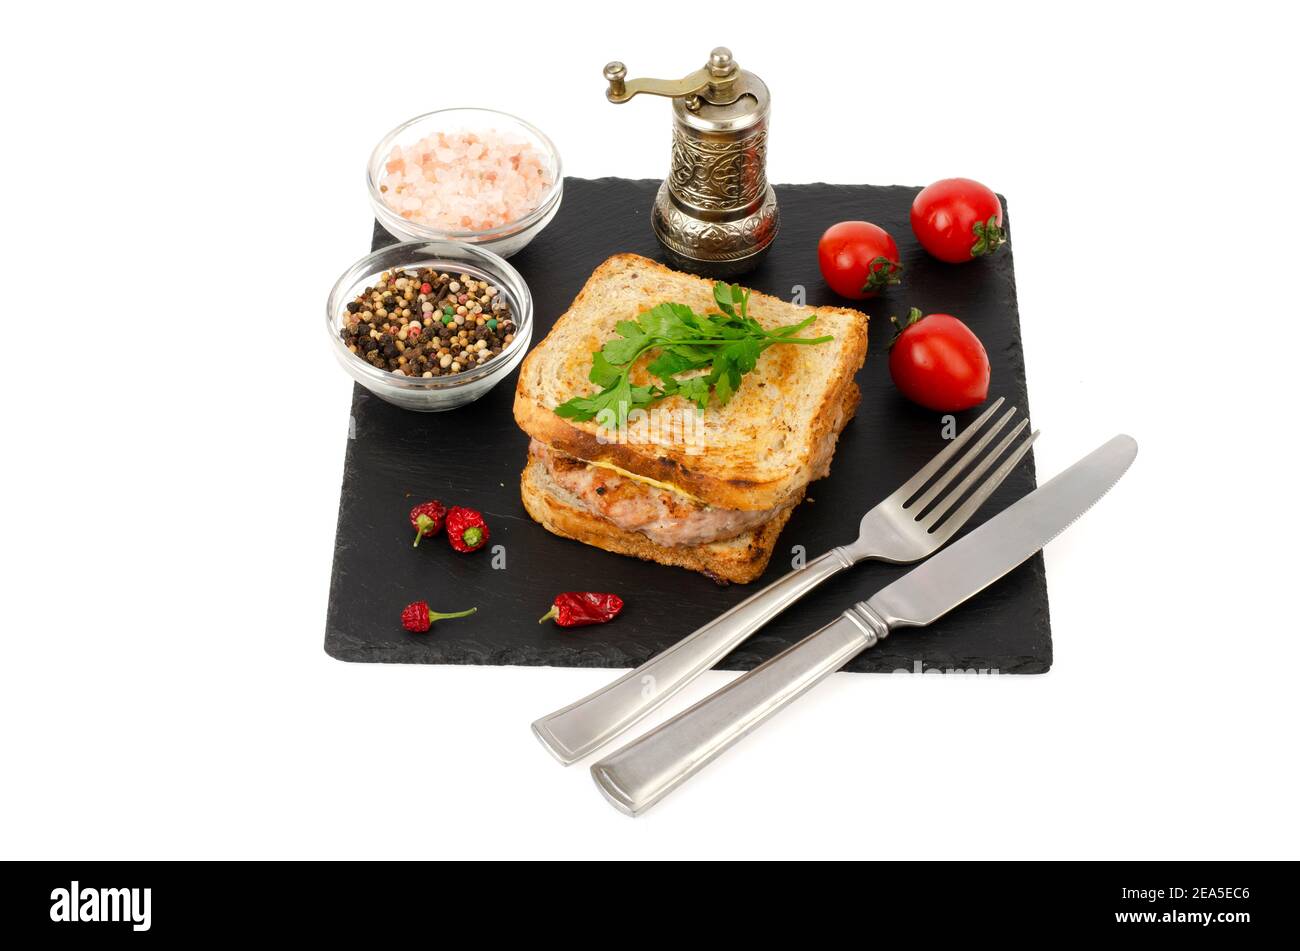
x: 643, y: 772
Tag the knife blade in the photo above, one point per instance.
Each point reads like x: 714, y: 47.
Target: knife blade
x: 1014, y: 535
x: 641, y: 773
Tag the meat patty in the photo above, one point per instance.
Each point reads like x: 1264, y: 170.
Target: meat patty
x: 665, y: 517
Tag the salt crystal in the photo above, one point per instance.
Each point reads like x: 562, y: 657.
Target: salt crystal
x: 455, y: 181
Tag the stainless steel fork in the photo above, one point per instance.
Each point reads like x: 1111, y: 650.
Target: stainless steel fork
x: 907, y: 526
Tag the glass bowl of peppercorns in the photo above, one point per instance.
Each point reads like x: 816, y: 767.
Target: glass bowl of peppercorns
x: 430, y: 325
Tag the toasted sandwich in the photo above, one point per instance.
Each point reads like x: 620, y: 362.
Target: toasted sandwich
x: 706, y: 490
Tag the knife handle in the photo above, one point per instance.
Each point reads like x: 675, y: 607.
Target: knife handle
x: 578, y: 729
x: 643, y: 772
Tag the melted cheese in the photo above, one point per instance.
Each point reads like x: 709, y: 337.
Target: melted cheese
x: 654, y: 482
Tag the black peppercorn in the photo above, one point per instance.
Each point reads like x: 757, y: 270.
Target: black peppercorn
x: 392, y: 335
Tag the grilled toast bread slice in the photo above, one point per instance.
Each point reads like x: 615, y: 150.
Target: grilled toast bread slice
x: 757, y: 452
x: 740, y: 559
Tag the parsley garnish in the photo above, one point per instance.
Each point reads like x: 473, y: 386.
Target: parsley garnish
x: 727, y: 345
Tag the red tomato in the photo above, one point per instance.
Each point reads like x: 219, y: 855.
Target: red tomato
x: 936, y: 361
x: 958, y: 220
x: 858, y: 259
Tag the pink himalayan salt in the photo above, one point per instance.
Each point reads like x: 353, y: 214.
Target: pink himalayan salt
x: 465, y: 181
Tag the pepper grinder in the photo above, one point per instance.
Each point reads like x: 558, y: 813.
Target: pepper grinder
x: 715, y: 212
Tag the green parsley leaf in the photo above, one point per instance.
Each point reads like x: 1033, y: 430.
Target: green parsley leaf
x: 603, y: 373
x: 727, y: 344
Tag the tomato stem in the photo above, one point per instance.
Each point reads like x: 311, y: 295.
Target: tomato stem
x: 882, y: 272
x: 913, y: 315
x: 989, y: 236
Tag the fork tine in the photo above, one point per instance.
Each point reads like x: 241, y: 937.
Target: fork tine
x: 914, y: 484
x: 971, y: 455
x: 968, y: 508
x: 950, y: 501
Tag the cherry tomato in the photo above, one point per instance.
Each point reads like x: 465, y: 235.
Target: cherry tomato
x: 858, y: 259
x: 958, y: 220
x: 938, y: 362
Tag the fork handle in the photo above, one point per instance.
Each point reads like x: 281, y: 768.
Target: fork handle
x: 640, y: 774
x: 574, y: 731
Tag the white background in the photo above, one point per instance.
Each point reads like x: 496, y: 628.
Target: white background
x: 181, y: 185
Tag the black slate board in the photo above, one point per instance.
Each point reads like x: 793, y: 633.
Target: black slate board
x: 474, y: 455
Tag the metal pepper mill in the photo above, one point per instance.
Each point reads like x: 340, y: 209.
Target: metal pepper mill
x: 715, y: 212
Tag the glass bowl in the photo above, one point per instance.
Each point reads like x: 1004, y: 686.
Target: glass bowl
x: 432, y: 394
x: 504, y: 240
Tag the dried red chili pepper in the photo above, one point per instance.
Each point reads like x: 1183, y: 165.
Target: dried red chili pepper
x: 418, y: 618
x: 466, y: 529
x: 427, y: 519
x: 580, y: 608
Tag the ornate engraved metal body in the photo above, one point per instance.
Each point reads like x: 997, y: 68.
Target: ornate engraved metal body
x: 715, y: 212
x: 719, y: 175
